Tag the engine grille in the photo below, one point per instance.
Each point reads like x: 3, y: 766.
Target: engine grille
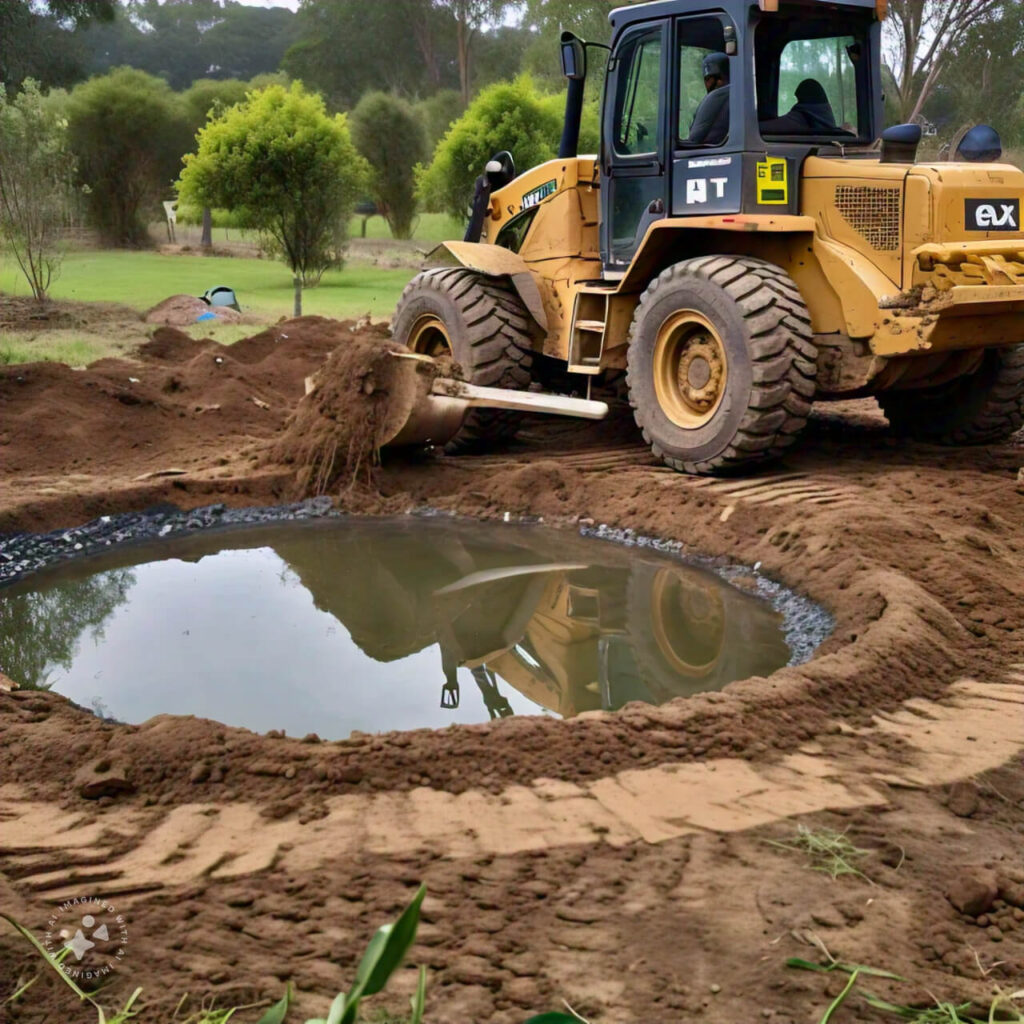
x: 872, y: 212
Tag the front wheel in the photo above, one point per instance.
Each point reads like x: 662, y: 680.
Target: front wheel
x: 983, y: 407
x: 721, y: 364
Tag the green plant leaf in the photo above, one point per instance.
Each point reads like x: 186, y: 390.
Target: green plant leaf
x: 418, y: 1001
x: 841, y: 998
x: 874, y: 972
x: 338, y: 1008
x: 387, y: 949
x: 279, y: 1011
x: 42, y: 951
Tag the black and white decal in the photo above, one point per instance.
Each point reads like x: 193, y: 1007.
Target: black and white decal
x: 992, y: 215
x: 706, y: 185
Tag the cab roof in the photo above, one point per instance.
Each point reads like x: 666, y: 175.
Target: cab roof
x: 635, y: 12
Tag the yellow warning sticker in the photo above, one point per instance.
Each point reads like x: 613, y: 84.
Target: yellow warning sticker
x: 772, y: 182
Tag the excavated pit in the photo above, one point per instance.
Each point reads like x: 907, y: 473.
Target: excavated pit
x: 380, y: 625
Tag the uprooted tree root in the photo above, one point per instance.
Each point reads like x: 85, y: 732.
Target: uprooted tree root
x: 359, y: 400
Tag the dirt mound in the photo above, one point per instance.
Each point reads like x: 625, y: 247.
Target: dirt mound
x: 184, y: 404
x: 169, y: 345
x: 359, y: 400
x: 25, y: 314
x: 306, y: 336
x: 182, y: 310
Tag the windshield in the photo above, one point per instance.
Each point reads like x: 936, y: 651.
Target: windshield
x: 812, y: 77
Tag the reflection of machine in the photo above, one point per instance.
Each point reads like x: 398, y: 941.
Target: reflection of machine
x: 571, y: 636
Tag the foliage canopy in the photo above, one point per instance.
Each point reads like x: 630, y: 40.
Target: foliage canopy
x: 388, y: 133
x: 509, y: 115
x: 128, y: 131
x: 35, y: 182
x: 291, y: 169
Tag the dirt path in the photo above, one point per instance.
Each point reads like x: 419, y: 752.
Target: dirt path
x: 620, y: 862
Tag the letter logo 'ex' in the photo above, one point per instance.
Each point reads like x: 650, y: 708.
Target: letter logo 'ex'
x: 992, y: 215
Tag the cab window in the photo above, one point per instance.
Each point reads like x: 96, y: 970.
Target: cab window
x: 812, y: 77
x: 697, y: 39
x: 638, y: 95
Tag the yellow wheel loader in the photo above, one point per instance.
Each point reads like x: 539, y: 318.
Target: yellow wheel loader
x: 748, y: 241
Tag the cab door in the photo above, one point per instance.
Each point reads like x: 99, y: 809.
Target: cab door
x: 633, y: 144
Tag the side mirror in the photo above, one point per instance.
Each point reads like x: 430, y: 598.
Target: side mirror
x: 899, y: 144
x: 500, y: 170
x: 574, y: 56
x: 980, y: 145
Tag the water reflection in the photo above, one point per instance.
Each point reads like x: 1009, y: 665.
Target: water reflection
x: 573, y: 624
x: 39, y: 631
x: 442, y: 621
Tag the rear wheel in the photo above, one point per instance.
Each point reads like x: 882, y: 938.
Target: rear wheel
x: 721, y: 364
x: 983, y: 407
x: 482, y: 324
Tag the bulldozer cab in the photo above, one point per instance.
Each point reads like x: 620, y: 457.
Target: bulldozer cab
x: 802, y: 76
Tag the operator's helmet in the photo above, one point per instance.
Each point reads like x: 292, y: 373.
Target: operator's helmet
x: 716, y: 64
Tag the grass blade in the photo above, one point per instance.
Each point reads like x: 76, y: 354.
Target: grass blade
x: 841, y: 998
x: 874, y: 972
x: 44, y: 953
x: 418, y: 1002
x: 279, y: 1011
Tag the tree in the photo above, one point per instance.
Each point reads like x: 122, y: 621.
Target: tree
x: 985, y: 77
x: 35, y: 179
x: 509, y: 115
x: 921, y: 38
x: 206, y: 98
x: 37, y: 43
x: 290, y: 167
x: 547, y: 19
x: 437, y: 113
x: 40, y: 631
x: 470, y: 16
x: 128, y: 131
x: 339, y: 52
x: 388, y: 133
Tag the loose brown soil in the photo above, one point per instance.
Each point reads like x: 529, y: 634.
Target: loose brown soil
x: 621, y: 862
x: 182, y: 310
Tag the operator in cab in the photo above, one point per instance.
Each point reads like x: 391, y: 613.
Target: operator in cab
x: 710, y: 125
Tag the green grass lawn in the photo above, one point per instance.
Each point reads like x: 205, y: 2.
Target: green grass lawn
x: 264, y: 287
x: 431, y: 228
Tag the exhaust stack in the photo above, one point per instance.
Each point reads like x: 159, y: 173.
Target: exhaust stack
x: 574, y: 67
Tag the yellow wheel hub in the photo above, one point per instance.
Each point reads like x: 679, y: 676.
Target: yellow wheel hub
x: 690, y: 369
x: 429, y: 337
x: 687, y: 623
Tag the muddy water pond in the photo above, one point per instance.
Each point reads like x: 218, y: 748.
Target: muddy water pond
x: 374, y: 625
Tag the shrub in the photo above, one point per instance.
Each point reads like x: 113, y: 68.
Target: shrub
x: 509, y: 115
x: 288, y: 167
x: 127, y: 130
x: 387, y: 132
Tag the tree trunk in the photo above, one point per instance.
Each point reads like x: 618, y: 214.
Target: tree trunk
x: 465, y: 38
x: 207, y: 239
x: 297, y: 281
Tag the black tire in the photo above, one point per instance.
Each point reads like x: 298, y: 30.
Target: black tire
x: 983, y: 407
x: 489, y: 335
x: 766, y: 360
